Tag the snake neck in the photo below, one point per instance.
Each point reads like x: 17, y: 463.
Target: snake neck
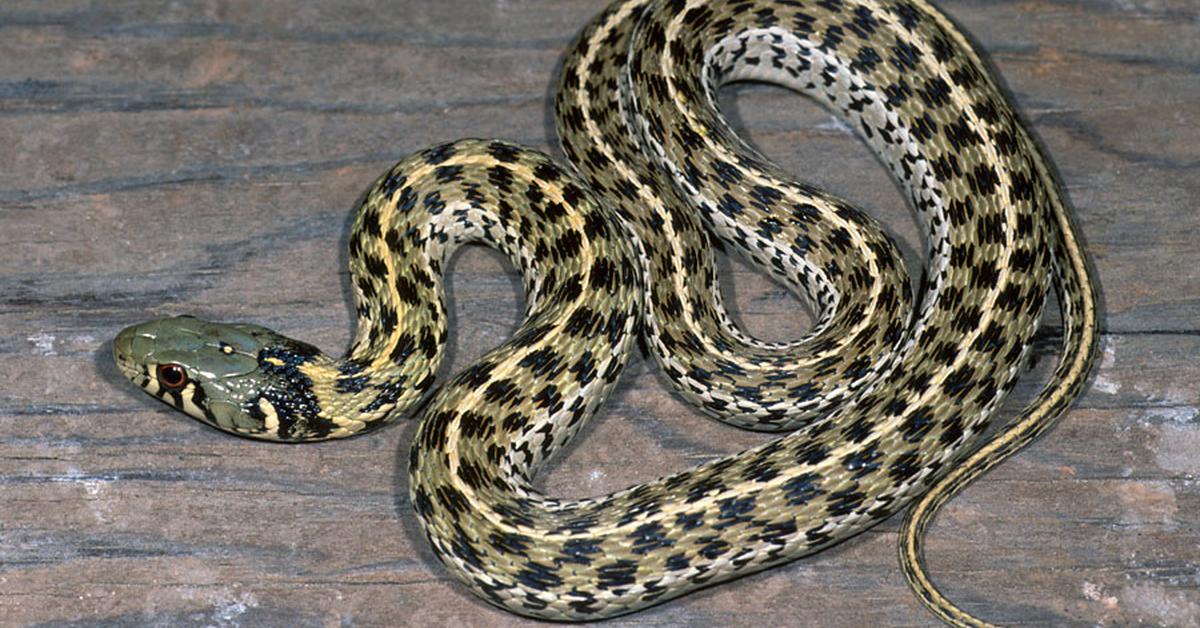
x: 386, y: 372
x: 352, y: 396
x: 307, y: 395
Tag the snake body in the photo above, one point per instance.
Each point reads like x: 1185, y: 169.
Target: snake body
x: 886, y: 395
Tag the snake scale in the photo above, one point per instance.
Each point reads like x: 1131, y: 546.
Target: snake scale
x: 884, y: 399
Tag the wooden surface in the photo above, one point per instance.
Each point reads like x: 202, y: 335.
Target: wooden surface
x: 205, y: 157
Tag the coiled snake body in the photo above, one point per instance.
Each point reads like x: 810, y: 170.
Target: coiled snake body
x: 886, y: 395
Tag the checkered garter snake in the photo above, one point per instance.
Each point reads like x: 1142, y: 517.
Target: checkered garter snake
x: 885, y: 397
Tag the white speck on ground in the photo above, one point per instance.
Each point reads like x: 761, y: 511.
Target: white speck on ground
x: 1095, y: 593
x: 90, y: 482
x: 95, y: 486
x: 227, y: 609
x: 835, y: 124
x: 1174, y: 414
x: 43, y: 343
x: 1108, y: 350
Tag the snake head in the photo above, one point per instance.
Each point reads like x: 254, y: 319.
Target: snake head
x: 242, y: 379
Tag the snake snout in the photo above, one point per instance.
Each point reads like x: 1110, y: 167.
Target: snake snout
x: 123, y: 344
x: 122, y: 351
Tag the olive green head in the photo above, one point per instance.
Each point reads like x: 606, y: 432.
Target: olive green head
x: 243, y: 379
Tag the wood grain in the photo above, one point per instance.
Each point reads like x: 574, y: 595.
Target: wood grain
x: 205, y: 157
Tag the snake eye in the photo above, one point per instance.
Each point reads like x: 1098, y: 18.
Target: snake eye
x: 172, y: 376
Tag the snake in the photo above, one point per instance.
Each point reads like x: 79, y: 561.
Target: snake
x: 886, y: 401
